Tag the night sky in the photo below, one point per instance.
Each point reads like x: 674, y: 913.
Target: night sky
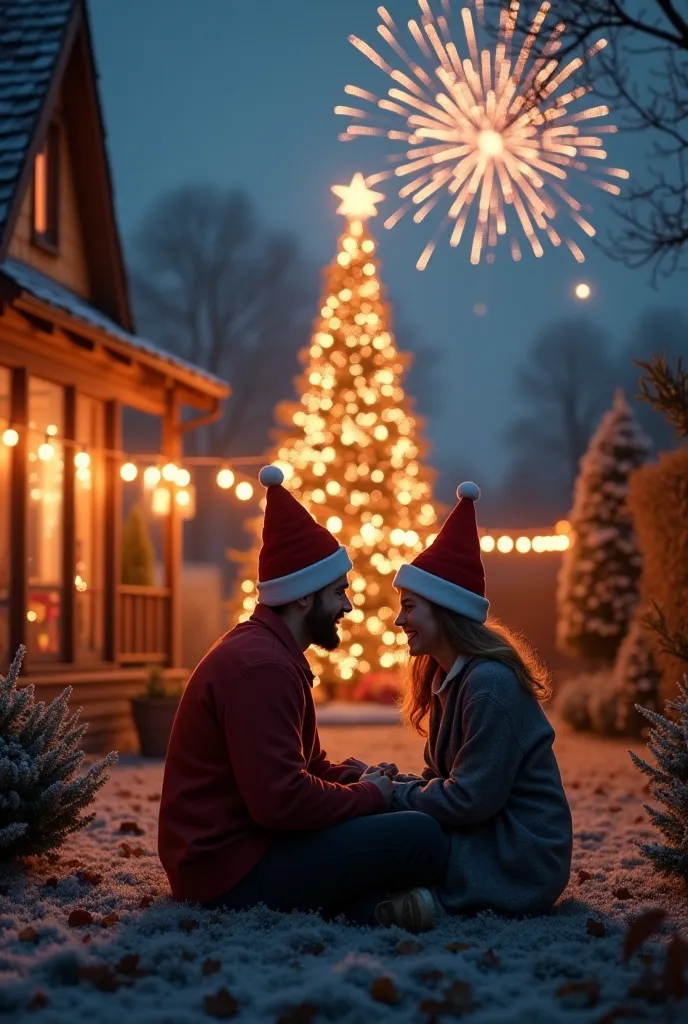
x: 242, y: 94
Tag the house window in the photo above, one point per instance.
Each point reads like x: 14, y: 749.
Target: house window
x: 5, y: 484
x: 45, y: 519
x: 89, y: 526
x: 46, y: 191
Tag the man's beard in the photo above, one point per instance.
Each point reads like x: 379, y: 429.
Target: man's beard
x: 321, y: 626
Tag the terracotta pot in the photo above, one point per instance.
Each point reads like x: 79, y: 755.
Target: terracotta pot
x: 153, y: 717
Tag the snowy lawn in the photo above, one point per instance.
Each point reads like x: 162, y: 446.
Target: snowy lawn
x: 95, y: 937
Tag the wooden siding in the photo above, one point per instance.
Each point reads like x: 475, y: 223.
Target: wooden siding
x: 69, y: 266
x: 105, y: 700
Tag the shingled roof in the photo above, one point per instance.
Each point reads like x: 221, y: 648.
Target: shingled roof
x: 32, y: 36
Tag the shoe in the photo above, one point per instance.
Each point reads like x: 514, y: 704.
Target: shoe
x: 412, y: 909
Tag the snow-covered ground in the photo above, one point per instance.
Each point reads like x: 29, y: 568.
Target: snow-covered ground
x: 95, y: 937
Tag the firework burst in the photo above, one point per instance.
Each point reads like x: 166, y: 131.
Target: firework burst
x: 491, y: 131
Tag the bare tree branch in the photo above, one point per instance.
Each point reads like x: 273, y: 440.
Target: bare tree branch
x: 211, y: 284
x: 643, y: 72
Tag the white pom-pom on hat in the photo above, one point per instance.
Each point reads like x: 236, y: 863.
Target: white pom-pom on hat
x: 468, y: 490
x: 271, y: 476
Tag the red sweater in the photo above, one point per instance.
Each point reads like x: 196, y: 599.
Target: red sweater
x: 244, y: 762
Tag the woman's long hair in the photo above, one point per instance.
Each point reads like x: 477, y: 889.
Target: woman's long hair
x: 492, y: 641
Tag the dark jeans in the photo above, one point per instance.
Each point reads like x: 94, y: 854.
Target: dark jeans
x: 345, y: 869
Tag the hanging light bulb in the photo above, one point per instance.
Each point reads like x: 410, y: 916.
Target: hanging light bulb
x: 244, y: 490
x: 10, y: 437
x: 129, y: 472
x: 151, y: 477
x: 169, y: 472
x: 82, y: 460
x: 46, y: 451
x: 225, y: 479
x: 183, y: 478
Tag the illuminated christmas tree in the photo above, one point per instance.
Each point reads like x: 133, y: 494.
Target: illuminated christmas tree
x: 350, y: 450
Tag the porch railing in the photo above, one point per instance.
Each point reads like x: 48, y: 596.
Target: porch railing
x: 143, y: 625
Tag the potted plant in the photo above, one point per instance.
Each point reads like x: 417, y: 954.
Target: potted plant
x: 154, y: 713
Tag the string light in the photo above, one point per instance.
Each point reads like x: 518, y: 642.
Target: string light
x: 10, y: 437
x: 45, y: 451
x: 225, y: 479
x: 129, y: 471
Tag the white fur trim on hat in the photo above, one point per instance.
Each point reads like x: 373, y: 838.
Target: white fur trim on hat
x: 442, y: 592
x: 271, y: 476
x: 468, y: 490
x: 305, y: 581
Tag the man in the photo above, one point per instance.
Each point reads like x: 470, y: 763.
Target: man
x: 252, y: 811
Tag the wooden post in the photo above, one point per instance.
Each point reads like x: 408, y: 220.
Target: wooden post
x: 69, y: 530
x: 18, y: 509
x: 172, y: 450
x: 113, y: 531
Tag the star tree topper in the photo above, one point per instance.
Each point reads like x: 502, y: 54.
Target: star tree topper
x: 358, y: 201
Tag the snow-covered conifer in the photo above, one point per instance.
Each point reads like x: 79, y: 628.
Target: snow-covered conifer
x: 41, y: 794
x: 598, y: 581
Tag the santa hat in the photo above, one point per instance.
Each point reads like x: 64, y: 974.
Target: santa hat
x: 450, y: 571
x: 298, y: 556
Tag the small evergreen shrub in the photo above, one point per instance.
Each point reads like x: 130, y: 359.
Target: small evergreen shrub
x: 668, y: 742
x: 41, y: 794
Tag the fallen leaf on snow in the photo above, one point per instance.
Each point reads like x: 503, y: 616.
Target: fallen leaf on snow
x: 188, y: 924
x: 588, y: 989
x: 595, y: 928
x: 622, y: 893
x: 383, y: 990
x: 28, y: 934
x: 301, y: 1014
x: 584, y: 876
x: 131, y: 827
x: 101, y: 976
x: 490, y: 959
x: 407, y: 947
x: 145, y: 902
x: 457, y: 947
x: 222, y: 1005
x: 37, y: 1001
x: 131, y: 851
x: 210, y: 967
x: 109, y: 920
x: 90, y: 877
x: 458, y: 999
x: 129, y: 965
x: 79, y: 917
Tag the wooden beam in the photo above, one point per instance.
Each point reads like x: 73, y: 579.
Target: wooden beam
x: 69, y: 530
x: 173, y: 531
x: 113, y: 532
x: 19, y: 415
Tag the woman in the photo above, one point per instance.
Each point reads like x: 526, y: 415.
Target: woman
x: 491, y: 778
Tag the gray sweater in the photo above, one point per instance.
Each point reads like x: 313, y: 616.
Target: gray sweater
x: 493, y: 782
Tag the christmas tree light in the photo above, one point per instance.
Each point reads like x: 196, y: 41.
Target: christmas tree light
x: 350, y: 450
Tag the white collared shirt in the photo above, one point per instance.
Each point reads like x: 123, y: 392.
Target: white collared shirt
x: 439, y: 683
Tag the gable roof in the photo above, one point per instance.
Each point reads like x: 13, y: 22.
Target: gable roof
x: 52, y: 294
x: 40, y: 41
x: 32, y: 35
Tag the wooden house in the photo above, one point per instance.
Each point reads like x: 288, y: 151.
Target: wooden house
x: 70, y: 361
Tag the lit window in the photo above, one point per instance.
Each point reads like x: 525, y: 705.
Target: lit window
x: 45, y: 191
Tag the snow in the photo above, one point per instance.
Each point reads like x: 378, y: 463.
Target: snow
x: 271, y: 963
